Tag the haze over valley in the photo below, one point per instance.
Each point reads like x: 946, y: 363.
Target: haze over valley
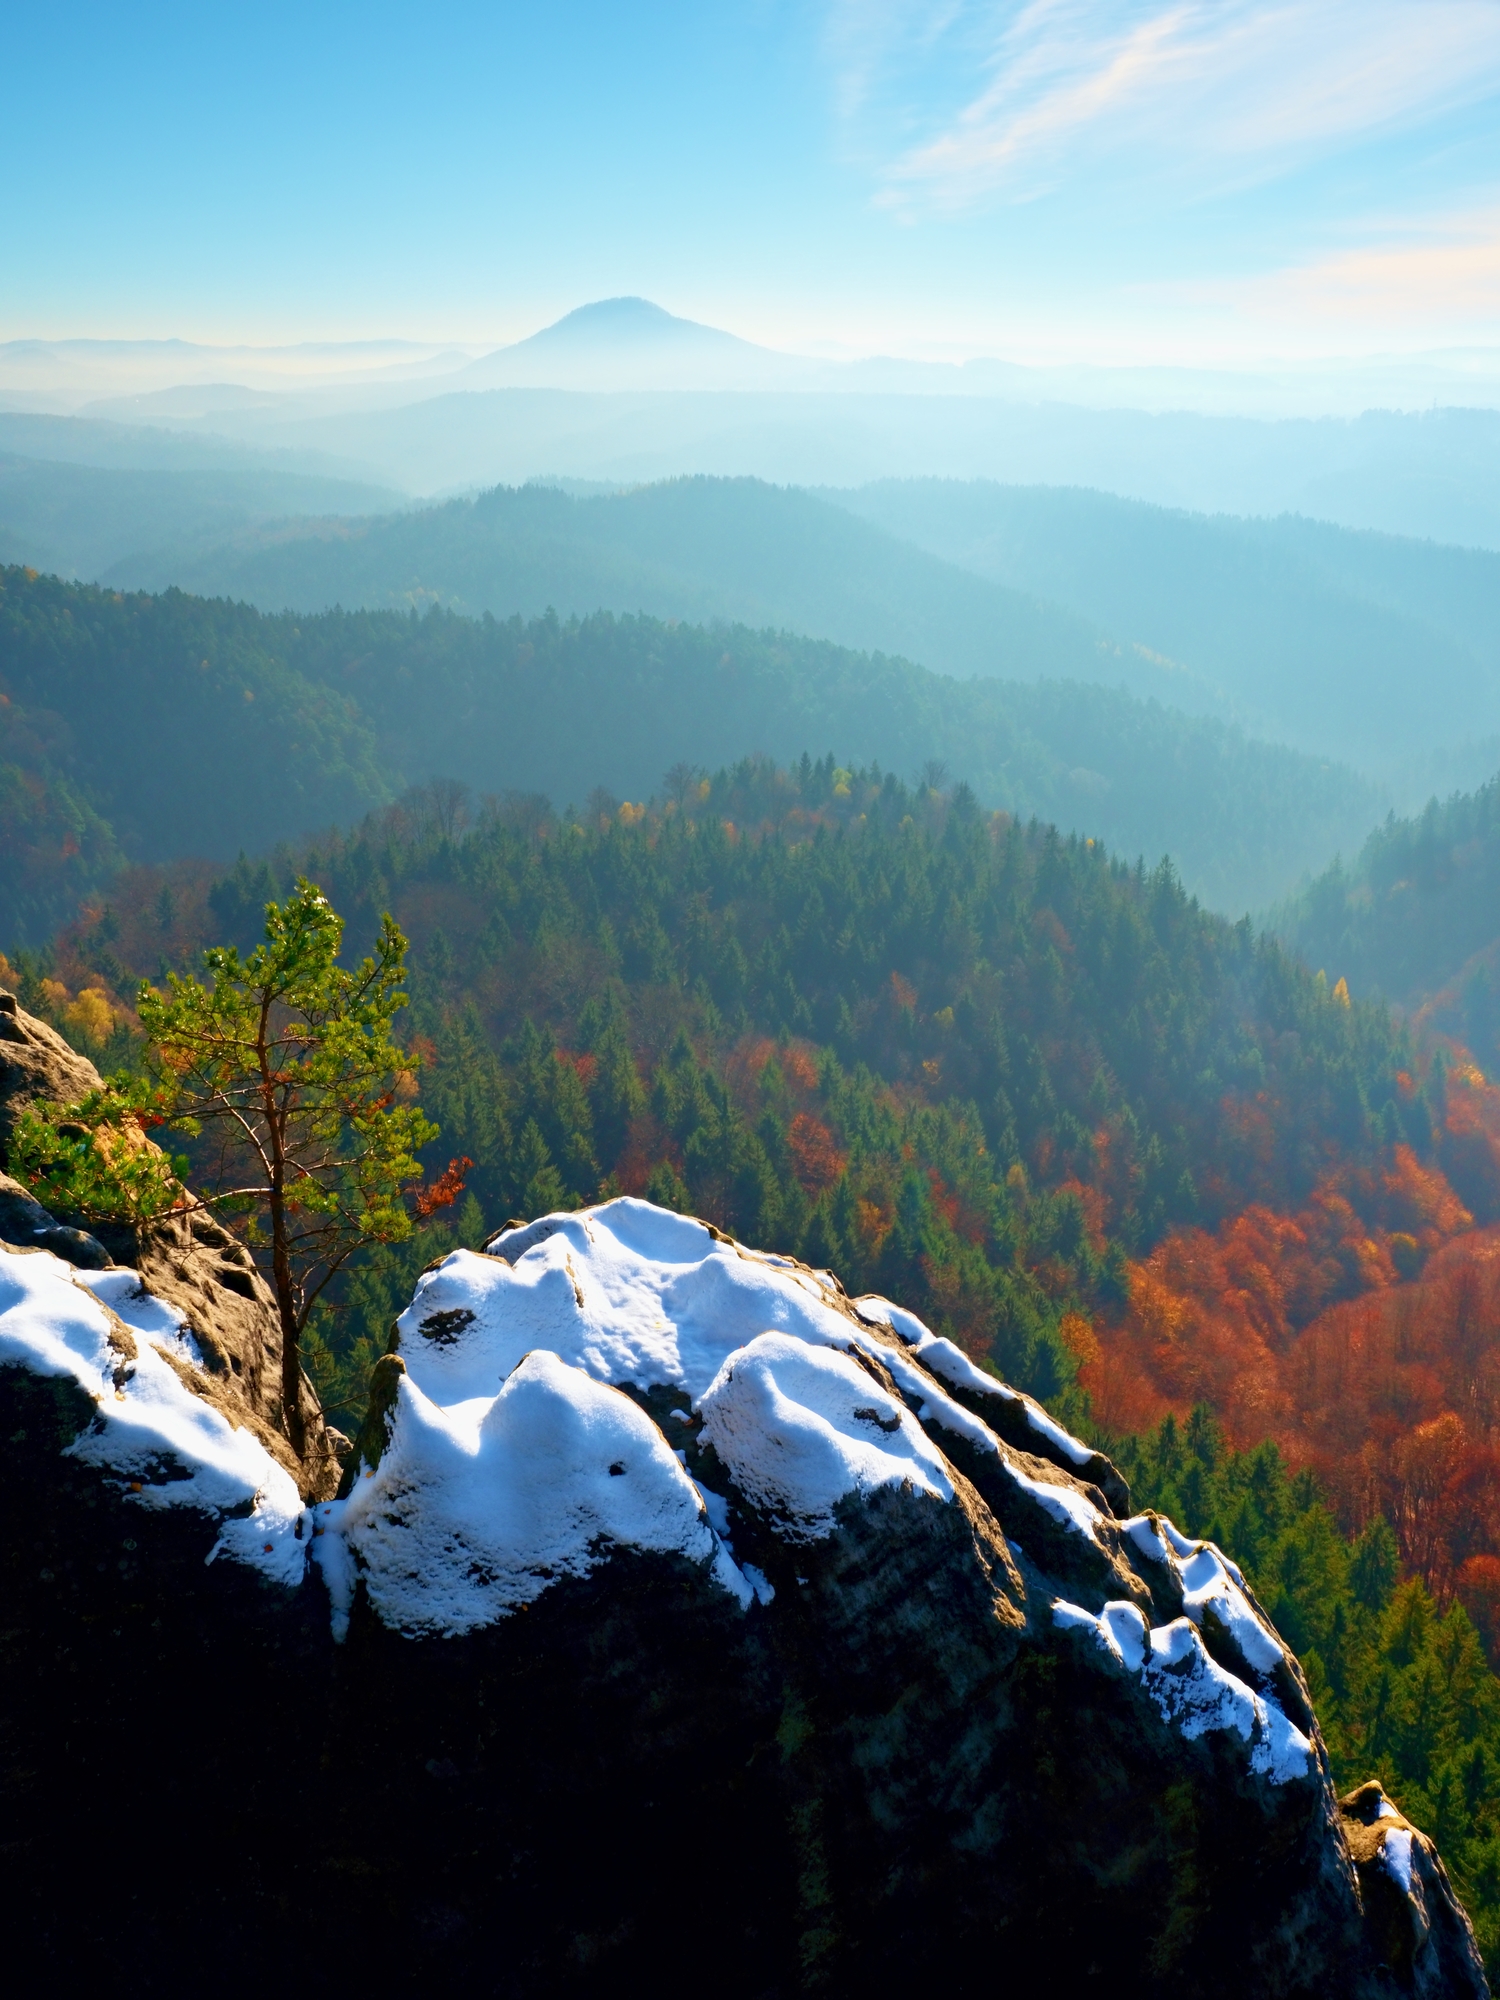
x: 1289, y: 623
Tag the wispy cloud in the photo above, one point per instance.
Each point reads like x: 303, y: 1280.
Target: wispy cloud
x: 957, y: 100
x: 1443, y: 278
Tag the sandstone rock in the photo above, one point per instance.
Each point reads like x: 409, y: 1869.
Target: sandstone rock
x: 36, y: 1065
x: 1418, y: 1923
x: 192, y: 1263
x: 24, y: 1221
x: 696, y: 1627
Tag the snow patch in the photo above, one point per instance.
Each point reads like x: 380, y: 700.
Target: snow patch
x: 946, y: 1359
x: 1192, y: 1692
x: 934, y: 1406
x: 125, y: 1295
x: 627, y: 1291
x: 1395, y: 1854
x: 476, y: 1509
x: 1120, y: 1629
x: 1064, y: 1503
x: 800, y: 1427
x: 1208, y: 1587
x: 149, y: 1428
x: 1195, y: 1694
x: 1071, y: 1509
x: 1145, y: 1531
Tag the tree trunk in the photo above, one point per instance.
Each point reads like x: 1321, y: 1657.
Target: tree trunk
x: 291, y: 1333
x: 281, y: 1258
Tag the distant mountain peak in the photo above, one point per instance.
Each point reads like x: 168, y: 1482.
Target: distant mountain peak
x: 625, y: 311
x: 619, y: 322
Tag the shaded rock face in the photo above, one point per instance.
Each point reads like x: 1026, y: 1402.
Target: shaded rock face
x: 1417, y: 1922
x: 191, y: 1263
x: 697, y: 1625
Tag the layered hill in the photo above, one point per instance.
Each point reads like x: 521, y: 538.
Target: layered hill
x: 1416, y: 917
x: 84, y: 520
x: 699, y: 549
x: 272, y: 726
x: 1355, y: 647
x: 1372, y: 647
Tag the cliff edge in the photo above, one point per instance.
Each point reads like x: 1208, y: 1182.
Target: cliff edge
x: 679, y: 1618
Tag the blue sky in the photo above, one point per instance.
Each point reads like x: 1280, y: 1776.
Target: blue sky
x: 1210, y: 180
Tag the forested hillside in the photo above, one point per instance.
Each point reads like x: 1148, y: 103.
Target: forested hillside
x: 171, y: 725
x: 962, y: 1060
x: 1354, y: 646
x: 84, y: 520
x: 735, y: 550
x: 1417, y: 918
x: 1362, y: 647
x: 1371, y: 647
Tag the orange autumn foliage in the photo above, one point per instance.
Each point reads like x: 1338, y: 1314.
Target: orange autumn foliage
x: 1469, y: 1144
x: 799, y: 1068
x: 1302, y: 1328
x: 444, y: 1191
x: 816, y: 1161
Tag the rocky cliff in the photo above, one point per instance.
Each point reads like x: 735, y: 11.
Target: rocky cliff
x: 679, y: 1620
x: 191, y: 1265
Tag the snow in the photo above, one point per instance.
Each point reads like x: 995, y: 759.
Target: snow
x: 628, y: 1292
x: 627, y: 1295
x: 949, y: 1361
x: 1145, y: 1530
x: 1191, y: 1691
x: 125, y: 1295
x: 1120, y: 1630
x: 1395, y: 1853
x: 1069, y: 1508
x: 799, y: 1428
x: 759, y: 1582
x: 1208, y: 1586
x: 149, y: 1427
x: 467, y: 1517
x: 516, y: 1458
x: 1066, y: 1505
x: 934, y: 1407
x: 1209, y: 1582
x: 1195, y: 1693
x: 476, y: 1508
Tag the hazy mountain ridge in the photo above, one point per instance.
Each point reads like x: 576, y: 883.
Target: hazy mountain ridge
x: 87, y: 521
x: 270, y: 726
x: 1416, y: 916
x: 1429, y: 473
x: 1372, y: 647
x: 696, y: 549
x: 1369, y: 649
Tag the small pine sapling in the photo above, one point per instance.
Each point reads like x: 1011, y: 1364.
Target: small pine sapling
x: 282, y: 1069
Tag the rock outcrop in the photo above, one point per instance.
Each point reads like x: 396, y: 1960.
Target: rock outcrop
x: 679, y: 1620
x: 36, y: 1066
x: 190, y: 1263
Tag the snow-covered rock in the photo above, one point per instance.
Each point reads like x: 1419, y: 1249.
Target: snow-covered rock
x: 190, y: 1263
x: 1419, y: 1926
x: 677, y: 1607
x: 154, y: 1433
